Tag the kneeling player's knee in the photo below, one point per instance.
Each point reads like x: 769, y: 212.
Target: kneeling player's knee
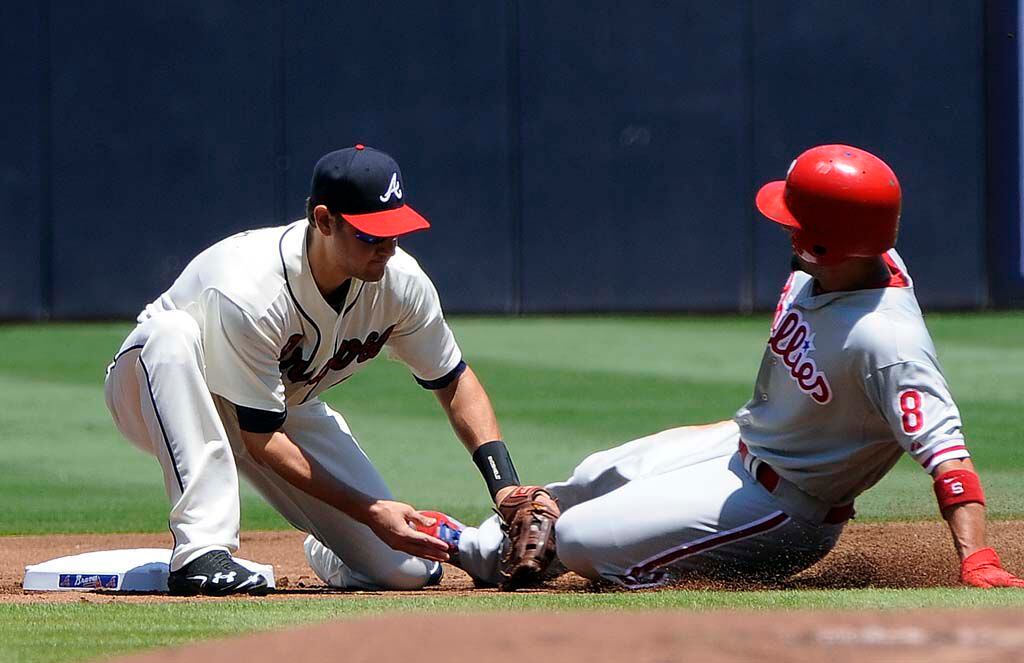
x: 174, y: 337
x: 411, y: 575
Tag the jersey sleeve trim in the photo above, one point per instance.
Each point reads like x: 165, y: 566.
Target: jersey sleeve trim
x: 952, y: 450
x: 444, y: 380
x: 253, y: 420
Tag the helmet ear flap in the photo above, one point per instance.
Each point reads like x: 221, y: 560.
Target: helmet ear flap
x: 810, y: 250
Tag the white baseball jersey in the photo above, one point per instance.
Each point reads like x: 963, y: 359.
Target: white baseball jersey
x: 271, y: 340
x: 848, y: 382
x: 243, y: 340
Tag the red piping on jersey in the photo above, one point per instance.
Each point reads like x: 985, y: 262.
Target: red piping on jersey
x: 927, y: 461
x: 897, y: 279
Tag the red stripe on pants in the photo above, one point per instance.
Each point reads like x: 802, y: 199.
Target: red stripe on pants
x: 709, y: 542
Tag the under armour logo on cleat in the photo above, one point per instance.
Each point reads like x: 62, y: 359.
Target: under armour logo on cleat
x: 228, y: 577
x: 254, y: 579
x: 393, y: 188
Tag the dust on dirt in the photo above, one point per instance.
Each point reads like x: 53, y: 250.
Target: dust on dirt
x: 894, y: 555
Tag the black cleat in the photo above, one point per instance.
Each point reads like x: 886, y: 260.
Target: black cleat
x: 215, y: 574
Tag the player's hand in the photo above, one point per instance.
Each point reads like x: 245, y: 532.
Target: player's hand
x: 390, y: 521
x: 983, y: 569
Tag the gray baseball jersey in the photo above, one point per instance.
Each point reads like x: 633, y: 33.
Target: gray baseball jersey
x: 848, y: 382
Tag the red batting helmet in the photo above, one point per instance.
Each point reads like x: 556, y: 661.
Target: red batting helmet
x: 838, y: 201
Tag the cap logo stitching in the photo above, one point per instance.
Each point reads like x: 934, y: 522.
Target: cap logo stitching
x: 393, y: 188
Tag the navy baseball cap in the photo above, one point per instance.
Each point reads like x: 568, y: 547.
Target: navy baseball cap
x: 365, y: 187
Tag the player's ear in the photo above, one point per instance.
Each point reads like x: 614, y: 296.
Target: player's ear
x: 322, y: 219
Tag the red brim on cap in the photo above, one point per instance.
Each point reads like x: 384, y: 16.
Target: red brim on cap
x: 389, y: 223
x: 771, y: 202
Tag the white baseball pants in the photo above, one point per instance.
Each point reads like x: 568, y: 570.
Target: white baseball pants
x: 674, y: 502
x: 156, y: 392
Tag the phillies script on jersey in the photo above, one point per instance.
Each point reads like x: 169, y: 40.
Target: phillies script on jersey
x: 792, y: 341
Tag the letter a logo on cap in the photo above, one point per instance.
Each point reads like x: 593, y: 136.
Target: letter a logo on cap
x: 393, y: 188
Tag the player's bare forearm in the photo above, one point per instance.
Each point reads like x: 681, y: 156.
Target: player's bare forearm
x: 388, y: 519
x: 966, y: 521
x: 469, y: 410
x: 472, y: 417
x: 280, y: 454
x: 967, y: 525
x: 980, y: 566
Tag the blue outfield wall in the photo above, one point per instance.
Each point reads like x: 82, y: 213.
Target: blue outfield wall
x: 22, y: 137
x: 1004, y: 62
x: 595, y: 157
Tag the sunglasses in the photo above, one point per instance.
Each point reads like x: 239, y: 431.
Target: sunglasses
x: 366, y: 238
x: 370, y: 239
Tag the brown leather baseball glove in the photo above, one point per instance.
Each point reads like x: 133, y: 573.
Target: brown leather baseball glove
x: 528, y: 516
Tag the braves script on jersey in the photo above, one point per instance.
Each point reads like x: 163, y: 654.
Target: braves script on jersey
x: 849, y: 380
x: 272, y: 341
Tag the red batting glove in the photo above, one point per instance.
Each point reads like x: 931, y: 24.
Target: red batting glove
x: 983, y: 569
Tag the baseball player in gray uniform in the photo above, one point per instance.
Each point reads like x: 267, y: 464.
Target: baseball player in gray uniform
x: 224, y: 371
x: 849, y: 382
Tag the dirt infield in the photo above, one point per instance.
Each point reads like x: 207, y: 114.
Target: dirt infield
x: 896, y: 555
x: 651, y: 637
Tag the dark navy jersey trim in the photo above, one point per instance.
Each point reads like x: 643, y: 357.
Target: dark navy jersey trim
x: 336, y: 300
x: 362, y: 284
x: 291, y: 293
x: 253, y: 420
x: 126, y: 351
x: 120, y: 354
x: 442, y: 382
x: 163, y: 431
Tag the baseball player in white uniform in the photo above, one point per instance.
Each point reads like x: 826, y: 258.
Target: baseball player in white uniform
x: 849, y: 382
x: 224, y: 371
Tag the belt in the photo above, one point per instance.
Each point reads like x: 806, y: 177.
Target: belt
x: 769, y: 478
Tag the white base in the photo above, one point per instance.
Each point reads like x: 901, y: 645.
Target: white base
x: 132, y: 570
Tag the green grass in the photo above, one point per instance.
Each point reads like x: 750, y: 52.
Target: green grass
x: 66, y: 632
x: 562, y: 388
